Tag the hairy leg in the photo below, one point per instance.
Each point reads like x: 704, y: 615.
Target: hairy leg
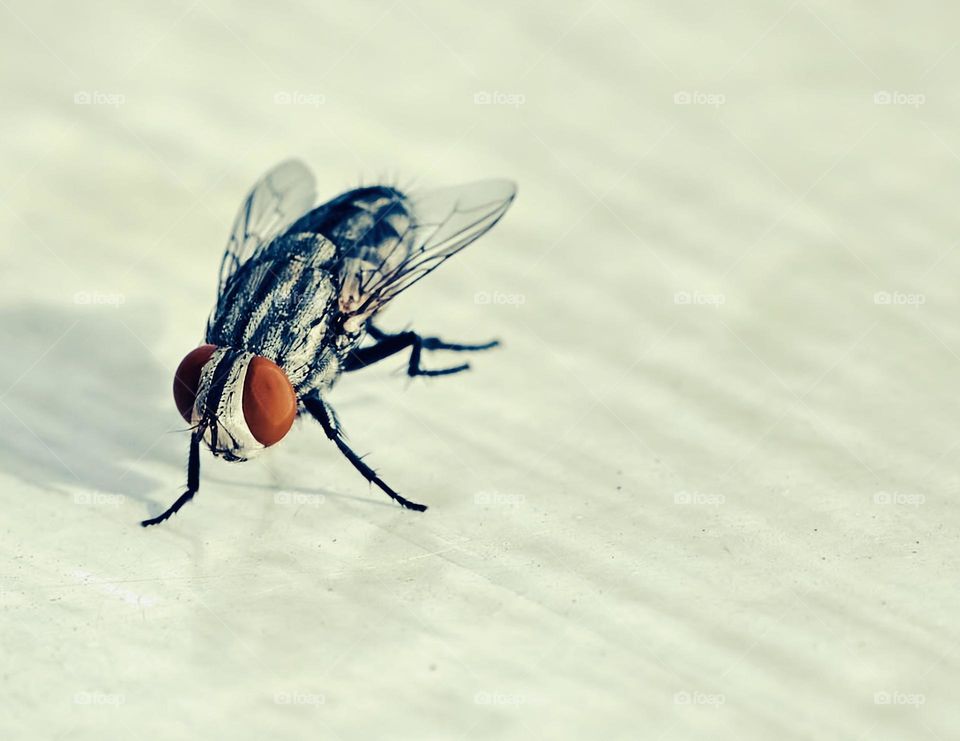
x: 193, y: 483
x: 324, y: 415
x: 390, y: 344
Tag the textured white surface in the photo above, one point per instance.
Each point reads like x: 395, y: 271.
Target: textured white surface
x: 751, y: 502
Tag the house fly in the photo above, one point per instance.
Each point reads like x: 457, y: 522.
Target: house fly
x: 299, y: 290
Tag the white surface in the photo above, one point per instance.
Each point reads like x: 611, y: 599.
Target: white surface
x: 556, y: 588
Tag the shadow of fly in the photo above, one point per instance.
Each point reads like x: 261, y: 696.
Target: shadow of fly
x: 299, y: 289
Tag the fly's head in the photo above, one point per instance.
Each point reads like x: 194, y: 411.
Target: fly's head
x: 239, y: 402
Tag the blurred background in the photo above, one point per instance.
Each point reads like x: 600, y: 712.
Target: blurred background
x: 703, y: 490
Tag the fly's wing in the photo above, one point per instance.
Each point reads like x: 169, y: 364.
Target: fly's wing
x: 441, y: 223
x: 279, y: 197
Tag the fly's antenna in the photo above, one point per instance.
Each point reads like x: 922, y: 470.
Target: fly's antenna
x: 233, y: 440
x: 210, y: 422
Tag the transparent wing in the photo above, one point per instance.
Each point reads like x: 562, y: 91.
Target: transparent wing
x: 441, y: 223
x: 282, y: 195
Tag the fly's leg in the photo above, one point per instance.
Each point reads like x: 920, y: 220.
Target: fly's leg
x: 390, y: 344
x: 193, y: 483
x: 324, y: 415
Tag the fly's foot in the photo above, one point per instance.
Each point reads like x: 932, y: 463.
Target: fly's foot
x: 389, y: 344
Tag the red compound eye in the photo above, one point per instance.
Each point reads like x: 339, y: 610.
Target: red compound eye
x: 269, y: 402
x: 187, y: 379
